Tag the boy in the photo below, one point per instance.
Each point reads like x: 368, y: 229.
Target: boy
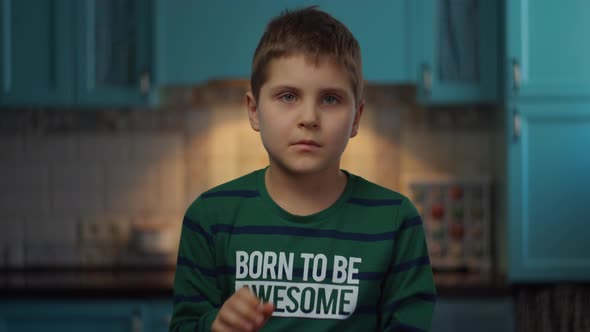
x: 303, y: 245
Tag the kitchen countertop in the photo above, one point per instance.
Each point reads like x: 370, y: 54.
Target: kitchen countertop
x: 463, y: 284
x: 149, y: 283
x: 116, y: 283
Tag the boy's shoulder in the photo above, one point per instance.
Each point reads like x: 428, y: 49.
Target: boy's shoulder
x: 370, y: 190
x: 368, y: 194
x: 243, y: 186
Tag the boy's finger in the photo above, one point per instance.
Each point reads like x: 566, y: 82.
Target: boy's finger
x: 246, y: 294
x: 247, y: 311
x: 233, y: 321
x: 267, y: 309
x: 221, y: 326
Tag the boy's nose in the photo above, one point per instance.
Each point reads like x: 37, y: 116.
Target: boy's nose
x: 309, y: 117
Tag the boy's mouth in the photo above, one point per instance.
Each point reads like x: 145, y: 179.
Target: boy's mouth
x: 307, y: 143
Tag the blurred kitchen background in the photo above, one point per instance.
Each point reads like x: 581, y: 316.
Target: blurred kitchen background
x: 116, y: 114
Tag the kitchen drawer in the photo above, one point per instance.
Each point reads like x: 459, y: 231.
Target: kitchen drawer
x: 467, y: 315
x: 100, y: 315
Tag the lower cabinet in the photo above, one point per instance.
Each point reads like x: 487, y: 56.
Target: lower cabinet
x: 159, y: 314
x: 85, y: 315
x: 471, y: 314
x: 451, y: 315
x: 547, y: 191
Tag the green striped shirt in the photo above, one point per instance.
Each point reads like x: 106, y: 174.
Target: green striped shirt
x: 359, y: 265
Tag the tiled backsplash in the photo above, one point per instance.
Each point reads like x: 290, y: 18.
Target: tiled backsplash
x: 59, y: 182
x: 74, y: 182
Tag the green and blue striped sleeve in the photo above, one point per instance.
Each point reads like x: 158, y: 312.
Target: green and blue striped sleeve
x: 197, y: 298
x: 409, y: 290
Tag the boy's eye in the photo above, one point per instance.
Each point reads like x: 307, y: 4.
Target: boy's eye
x: 330, y: 100
x: 288, y: 97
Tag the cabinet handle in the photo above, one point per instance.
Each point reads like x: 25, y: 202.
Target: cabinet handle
x: 426, y: 78
x: 145, y: 83
x: 516, y: 74
x: 516, y: 126
x: 136, y: 323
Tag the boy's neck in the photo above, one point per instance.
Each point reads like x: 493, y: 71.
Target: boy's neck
x: 305, y: 194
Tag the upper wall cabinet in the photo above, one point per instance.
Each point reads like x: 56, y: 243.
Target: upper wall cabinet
x: 225, y: 33
x: 36, y: 52
x: 120, y: 52
x: 457, y: 51
x: 547, y: 49
x: 114, y: 52
x: 69, y: 52
x: 384, y: 33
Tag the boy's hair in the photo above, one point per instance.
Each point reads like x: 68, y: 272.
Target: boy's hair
x: 310, y: 32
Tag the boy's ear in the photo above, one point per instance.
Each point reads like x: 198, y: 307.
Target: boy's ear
x: 252, y: 111
x: 357, y: 118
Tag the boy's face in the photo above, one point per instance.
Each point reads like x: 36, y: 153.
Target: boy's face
x: 305, y: 113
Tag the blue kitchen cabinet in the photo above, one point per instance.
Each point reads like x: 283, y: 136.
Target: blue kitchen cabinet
x: 70, y: 315
x: 547, y: 49
x: 153, y: 315
x: 470, y: 314
x: 114, y: 52
x: 548, y: 131
x: 76, y: 53
x: 548, y: 189
x: 158, y: 315
x: 36, y: 52
x: 225, y: 35
x: 120, y: 53
x: 456, y: 51
x: 384, y: 32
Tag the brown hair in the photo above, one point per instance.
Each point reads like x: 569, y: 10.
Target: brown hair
x: 313, y: 33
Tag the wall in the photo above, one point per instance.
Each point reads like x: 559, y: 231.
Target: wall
x: 74, y: 182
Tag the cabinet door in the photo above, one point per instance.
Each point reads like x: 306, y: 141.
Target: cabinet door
x: 466, y: 315
x: 159, y: 314
x: 547, y: 49
x: 223, y: 38
x: 457, y: 51
x: 36, y: 66
x: 548, y: 190
x: 114, y: 52
x: 383, y: 30
x: 27, y: 316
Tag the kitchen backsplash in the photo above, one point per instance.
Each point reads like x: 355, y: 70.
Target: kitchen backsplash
x: 77, y: 185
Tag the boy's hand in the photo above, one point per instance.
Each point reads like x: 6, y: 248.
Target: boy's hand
x: 243, y: 311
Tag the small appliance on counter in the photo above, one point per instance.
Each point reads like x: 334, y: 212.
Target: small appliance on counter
x: 96, y: 243
x: 150, y: 244
x: 120, y: 243
x: 456, y: 217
